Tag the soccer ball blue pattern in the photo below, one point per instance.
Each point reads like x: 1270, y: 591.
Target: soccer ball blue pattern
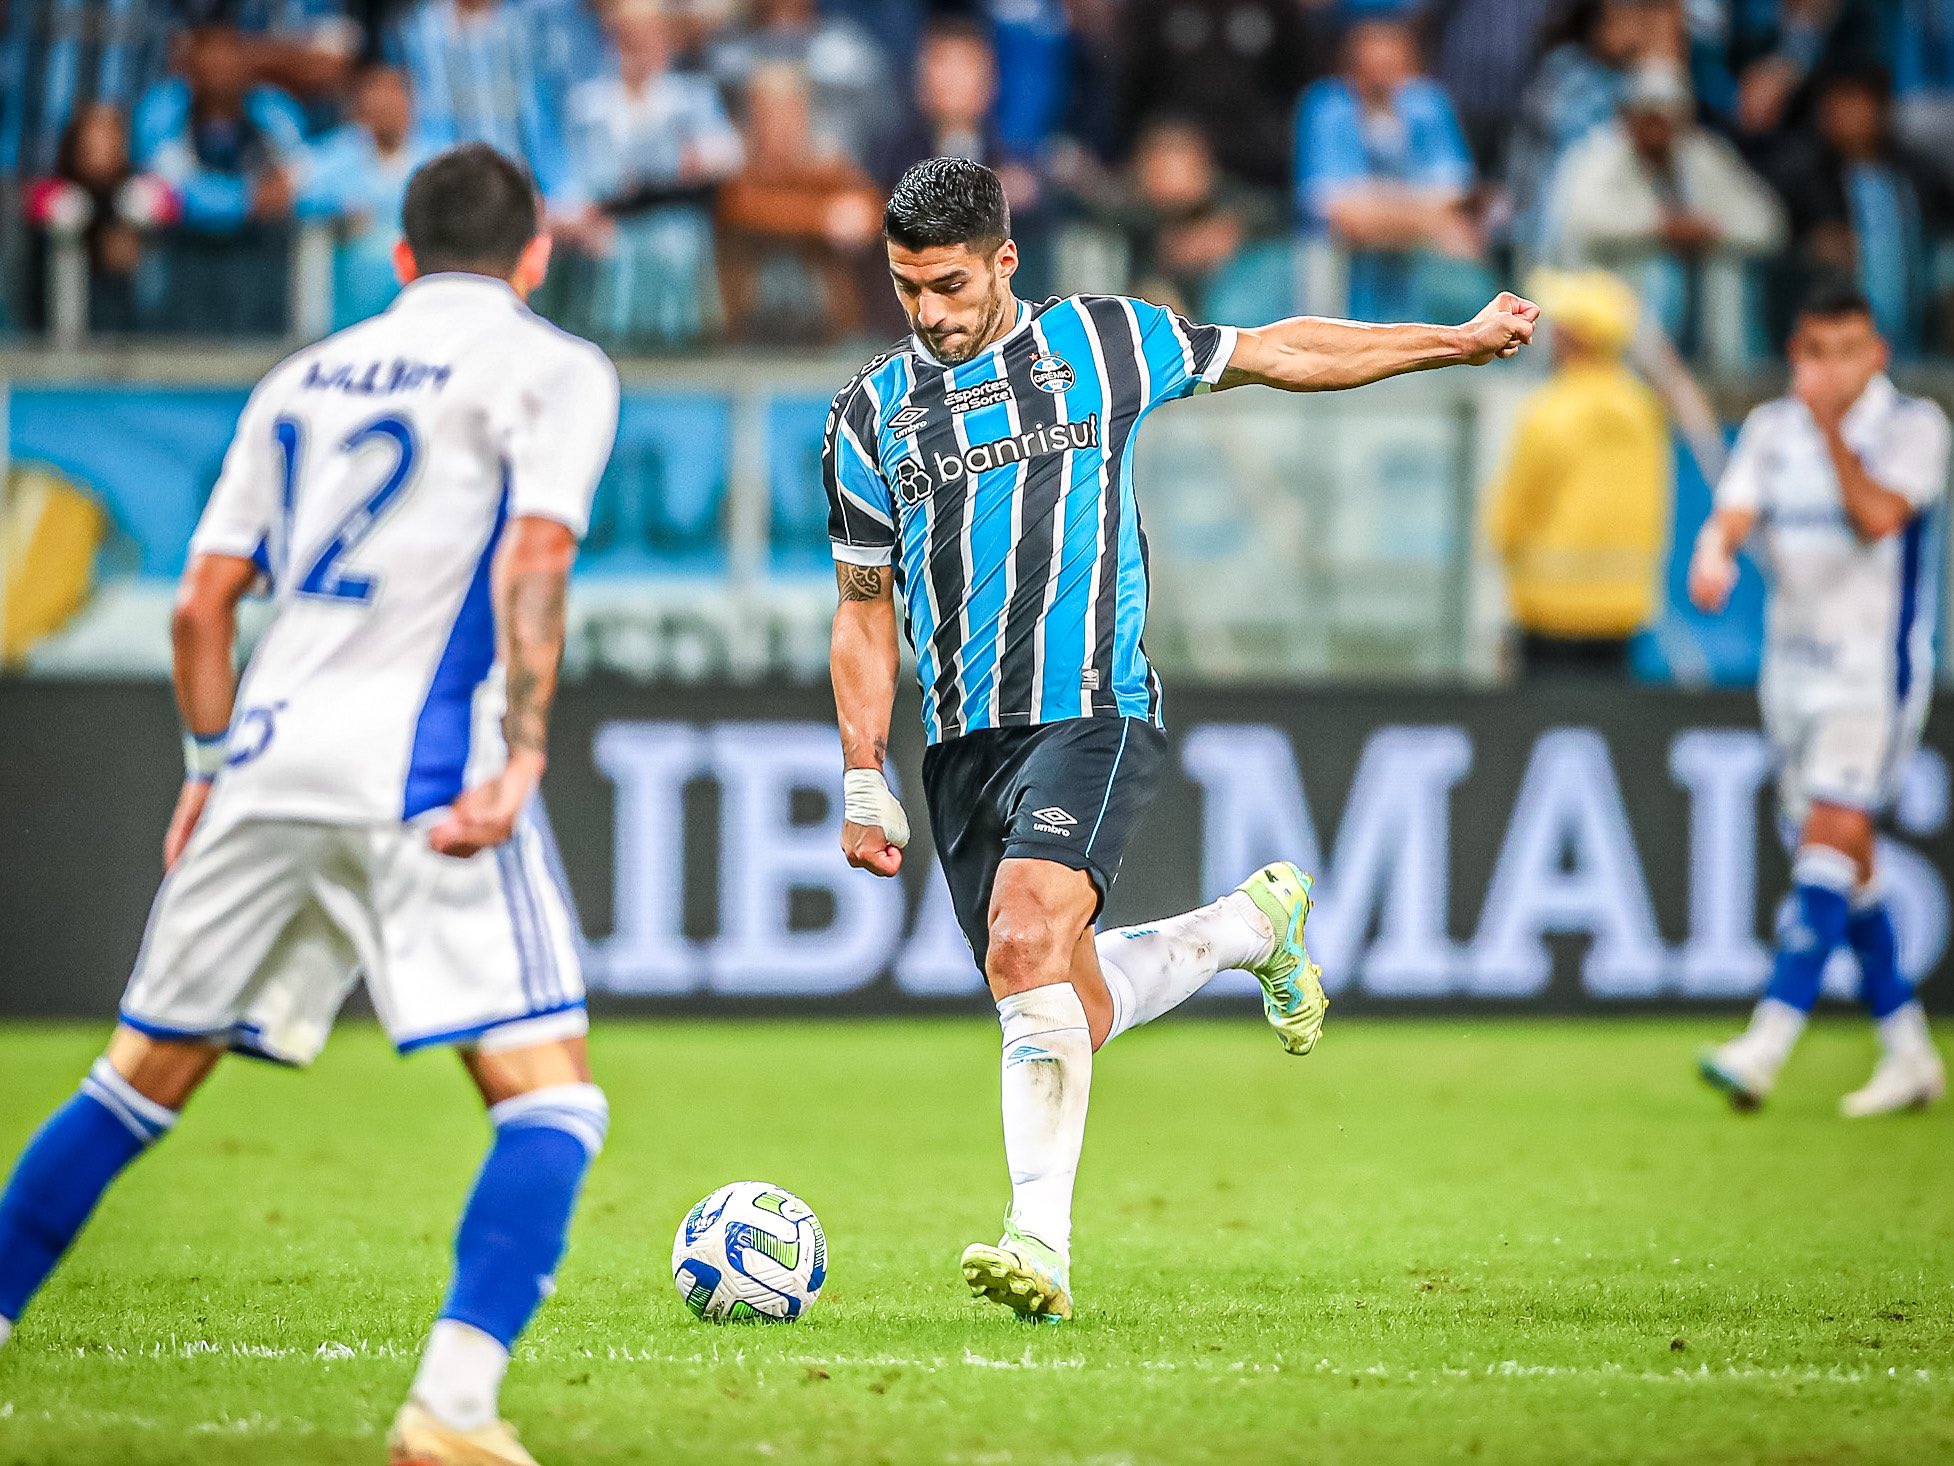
x: 751, y: 1252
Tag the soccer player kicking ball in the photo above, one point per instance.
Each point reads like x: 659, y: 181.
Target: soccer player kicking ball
x: 415, y: 487
x: 1837, y: 482
x: 980, y: 468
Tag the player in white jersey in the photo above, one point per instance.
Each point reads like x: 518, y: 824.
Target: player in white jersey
x: 414, y: 487
x: 1839, y: 483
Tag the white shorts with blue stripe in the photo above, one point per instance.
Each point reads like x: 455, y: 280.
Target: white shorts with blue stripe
x: 1835, y: 748
x: 261, y: 931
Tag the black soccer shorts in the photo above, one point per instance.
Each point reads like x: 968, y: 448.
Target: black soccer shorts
x: 1069, y: 791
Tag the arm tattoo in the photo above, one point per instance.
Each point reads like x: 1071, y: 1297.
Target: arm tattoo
x: 533, y: 612
x: 862, y: 582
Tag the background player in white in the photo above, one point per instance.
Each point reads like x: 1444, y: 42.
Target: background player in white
x: 415, y: 487
x: 1838, y: 482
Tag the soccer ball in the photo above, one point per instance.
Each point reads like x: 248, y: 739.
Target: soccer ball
x: 750, y: 1252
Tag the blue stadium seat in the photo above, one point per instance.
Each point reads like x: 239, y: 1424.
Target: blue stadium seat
x: 798, y: 522
x: 661, y: 506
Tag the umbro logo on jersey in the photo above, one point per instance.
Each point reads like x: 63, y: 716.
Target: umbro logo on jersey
x: 907, y: 421
x: 1051, y: 374
x: 1051, y: 820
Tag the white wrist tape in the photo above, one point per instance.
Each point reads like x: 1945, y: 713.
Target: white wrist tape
x: 866, y: 800
x: 204, y: 755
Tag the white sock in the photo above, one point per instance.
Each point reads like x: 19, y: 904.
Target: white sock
x: 1903, y: 1032
x: 1047, y: 1082
x: 6, y: 1331
x: 460, y: 1378
x: 1151, y: 970
x: 1774, y: 1029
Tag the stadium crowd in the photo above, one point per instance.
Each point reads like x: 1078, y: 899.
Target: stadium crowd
x: 713, y: 169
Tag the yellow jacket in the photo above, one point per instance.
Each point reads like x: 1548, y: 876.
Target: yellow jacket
x: 1580, y: 517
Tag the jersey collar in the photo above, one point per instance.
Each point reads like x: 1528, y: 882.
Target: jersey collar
x: 1023, y: 320
x: 455, y: 290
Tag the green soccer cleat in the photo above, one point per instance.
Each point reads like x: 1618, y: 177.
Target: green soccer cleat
x: 1293, y: 999
x: 1022, y: 1273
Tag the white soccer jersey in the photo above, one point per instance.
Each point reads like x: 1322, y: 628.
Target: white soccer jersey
x: 1849, y: 623
x: 372, y: 475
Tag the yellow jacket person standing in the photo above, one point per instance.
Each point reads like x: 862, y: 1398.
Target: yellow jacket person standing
x: 1580, y: 515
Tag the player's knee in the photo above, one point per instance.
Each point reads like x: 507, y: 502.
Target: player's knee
x: 1836, y: 827
x: 163, y: 1071
x: 1027, y: 950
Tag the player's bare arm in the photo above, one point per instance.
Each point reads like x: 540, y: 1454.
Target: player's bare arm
x: 1874, y: 510
x: 532, y: 586
x: 203, y: 640
x: 1713, y: 563
x: 863, y: 665
x: 1317, y: 354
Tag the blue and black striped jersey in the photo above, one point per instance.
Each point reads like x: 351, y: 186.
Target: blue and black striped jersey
x: 1001, y: 491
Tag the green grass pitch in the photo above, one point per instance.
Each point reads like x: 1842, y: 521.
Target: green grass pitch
x: 1494, y: 1241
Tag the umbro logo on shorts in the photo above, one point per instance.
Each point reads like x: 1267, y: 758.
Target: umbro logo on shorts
x: 1051, y: 820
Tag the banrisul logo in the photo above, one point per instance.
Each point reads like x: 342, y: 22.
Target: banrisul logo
x: 1051, y: 374
x: 1018, y: 448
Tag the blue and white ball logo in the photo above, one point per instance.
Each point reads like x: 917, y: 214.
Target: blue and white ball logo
x: 1051, y: 374
x: 750, y: 1253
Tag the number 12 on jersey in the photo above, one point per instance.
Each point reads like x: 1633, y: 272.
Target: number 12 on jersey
x: 327, y: 574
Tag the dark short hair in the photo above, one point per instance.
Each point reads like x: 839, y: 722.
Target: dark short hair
x: 956, y: 28
x: 1834, y: 296
x: 943, y: 201
x: 469, y: 209
x: 1866, y: 76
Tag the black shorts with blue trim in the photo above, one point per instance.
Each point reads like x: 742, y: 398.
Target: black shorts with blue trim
x: 1069, y: 792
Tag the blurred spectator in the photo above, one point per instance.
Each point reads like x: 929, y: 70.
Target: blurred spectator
x: 226, y: 144
x: 1035, y: 55
x: 572, y: 44
x: 358, y: 175
x: 229, y: 148
x: 1381, y: 165
x: 640, y: 132
x: 956, y: 97
x: 478, y: 72
x: 648, y: 148
x: 58, y: 56
x: 1184, y: 220
x: 1750, y: 61
x: 1922, y: 41
x: 852, y: 92
x: 955, y: 116
x: 1576, y: 89
x: 97, y: 195
x: 1232, y: 67
x: 1580, y: 513
x: 306, y: 48
x: 1861, y: 205
x: 801, y: 229
x: 1655, y: 196
x: 1483, y: 53
x: 1090, y: 115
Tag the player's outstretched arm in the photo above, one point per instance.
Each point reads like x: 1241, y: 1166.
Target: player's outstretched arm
x: 532, y: 589
x: 1316, y: 354
x: 203, y: 642
x: 1713, y: 562
x: 862, y: 662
